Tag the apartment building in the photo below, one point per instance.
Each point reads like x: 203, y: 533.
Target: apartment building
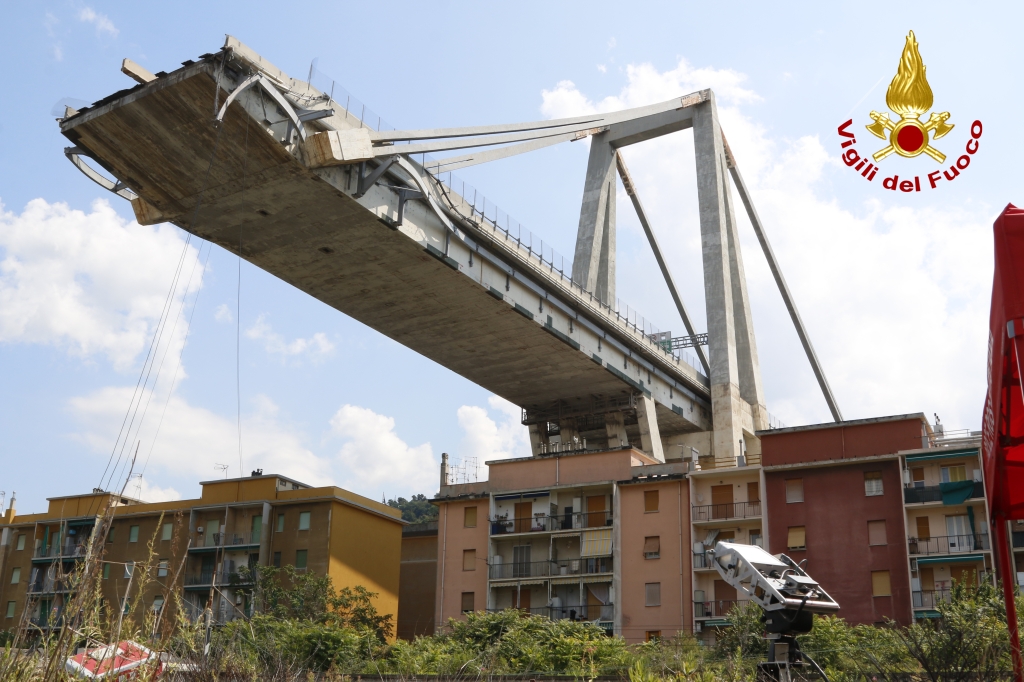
x: 199, y: 546
x: 591, y: 535
x: 887, y: 512
x: 417, y: 584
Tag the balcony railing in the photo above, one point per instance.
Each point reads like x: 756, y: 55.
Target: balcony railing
x: 575, y: 612
x: 539, y: 523
x: 718, y: 608
x: 227, y: 539
x: 932, y: 493
x: 76, y: 549
x: 730, y: 510
x: 223, y: 578
x: 930, y: 599
x: 1018, y: 538
x: 949, y: 544
x: 535, y: 569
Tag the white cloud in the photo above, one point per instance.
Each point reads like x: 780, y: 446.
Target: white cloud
x: 91, y: 283
x: 373, y: 457
x: 141, y: 489
x: 895, y: 298
x: 485, y: 438
x: 223, y: 313
x: 315, y: 347
x: 192, y: 439
x: 102, y: 23
x: 611, y: 43
x: 602, y: 68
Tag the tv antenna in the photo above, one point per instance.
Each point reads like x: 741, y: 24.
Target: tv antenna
x: 222, y: 467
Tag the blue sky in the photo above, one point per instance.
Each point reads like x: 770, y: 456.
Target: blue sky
x: 893, y: 286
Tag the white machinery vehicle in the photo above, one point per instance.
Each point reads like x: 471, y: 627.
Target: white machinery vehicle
x: 787, y: 595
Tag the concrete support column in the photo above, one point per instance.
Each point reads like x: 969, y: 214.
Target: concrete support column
x: 265, y: 536
x: 538, y: 438
x: 615, y: 427
x: 650, y: 435
x: 567, y: 430
x: 718, y: 243
x: 593, y: 266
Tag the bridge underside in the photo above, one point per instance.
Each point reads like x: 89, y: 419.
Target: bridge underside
x: 160, y: 139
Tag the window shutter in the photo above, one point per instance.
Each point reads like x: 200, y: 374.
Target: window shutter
x: 469, y: 518
x: 876, y: 533
x: 797, y: 537
x: 651, y: 500
x: 794, y: 490
x: 469, y: 560
x: 652, y: 547
x: 652, y: 594
x: 880, y: 586
x: 467, y: 602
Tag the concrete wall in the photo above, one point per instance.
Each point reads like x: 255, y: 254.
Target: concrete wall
x: 417, y: 587
x: 453, y: 538
x: 851, y: 439
x: 835, y: 513
x: 565, y: 470
x: 671, y: 524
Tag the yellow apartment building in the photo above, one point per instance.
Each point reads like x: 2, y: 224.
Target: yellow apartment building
x: 199, y: 546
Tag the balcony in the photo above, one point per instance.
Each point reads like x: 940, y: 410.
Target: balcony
x: 718, y: 608
x: 70, y: 550
x: 730, y: 510
x: 949, y: 544
x: 539, y: 523
x: 543, y: 569
x: 226, y: 540
x: 603, y: 615
x: 223, y: 578
x: 932, y: 493
x: 930, y: 599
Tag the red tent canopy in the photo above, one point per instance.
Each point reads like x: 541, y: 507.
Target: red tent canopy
x: 1003, y: 425
x: 1002, y: 445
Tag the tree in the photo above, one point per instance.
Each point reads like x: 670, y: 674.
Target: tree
x: 415, y: 510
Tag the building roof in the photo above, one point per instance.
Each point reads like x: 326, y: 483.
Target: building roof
x: 850, y: 422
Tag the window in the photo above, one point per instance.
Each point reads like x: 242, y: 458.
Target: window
x: 280, y: 523
x: 650, y: 501
x: 652, y: 594
x: 303, y: 520
x: 924, y: 530
x: 880, y: 584
x: 756, y: 538
x: 162, y: 568
x: 917, y: 477
x: 10, y: 609
x: 469, y: 517
x: 129, y: 568
x: 133, y: 534
x: 158, y: 603
x: 300, y: 558
x: 952, y: 474
x: 876, y: 533
x: 794, y: 490
x: 21, y: 542
x: 468, y: 602
x: 127, y: 605
x: 653, y: 635
x: 106, y: 571
x: 16, y: 575
x: 166, y: 532
x: 652, y: 547
x: 469, y: 560
x: 277, y: 559
x: 797, y: 537
x: 110, y: 534
x: 872, y: 483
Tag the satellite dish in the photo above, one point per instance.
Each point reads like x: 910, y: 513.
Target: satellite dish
x: 59, y: 109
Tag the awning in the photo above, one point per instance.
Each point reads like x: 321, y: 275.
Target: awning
x: 962, y: 559
x: 523, y: 496
x: 927, y: 613
x: 598, y: 579
x: 596, y: 542
x: 514, y: 583
x: 716, y: 623
x: 574, y: 580
x: 957, y: 454
x: 956, y: 492
x: 575, y: 534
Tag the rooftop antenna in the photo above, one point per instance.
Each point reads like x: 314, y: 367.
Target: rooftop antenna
x: 222, y: 467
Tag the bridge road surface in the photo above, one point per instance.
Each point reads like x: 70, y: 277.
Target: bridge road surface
x: 489, y: 310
